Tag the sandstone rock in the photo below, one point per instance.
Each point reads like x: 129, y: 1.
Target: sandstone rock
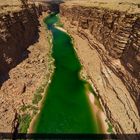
x: 21, y: 88
x: 115, y: 36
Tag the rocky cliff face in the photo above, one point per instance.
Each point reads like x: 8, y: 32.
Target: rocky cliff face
x: 18, y: 30
x: 116, y: 37
x: 22, y: 39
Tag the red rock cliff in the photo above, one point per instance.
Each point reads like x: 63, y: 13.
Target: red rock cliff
x: 18, y: 30
x: 118, y: 33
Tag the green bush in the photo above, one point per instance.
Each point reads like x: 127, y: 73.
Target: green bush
x: 37, y: 95
x: 24, y: 122
x: 37, y: 98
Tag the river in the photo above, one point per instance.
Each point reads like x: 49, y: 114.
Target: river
x: 66, y: 107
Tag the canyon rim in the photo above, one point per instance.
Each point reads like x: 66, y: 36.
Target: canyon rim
x: 106, y: 38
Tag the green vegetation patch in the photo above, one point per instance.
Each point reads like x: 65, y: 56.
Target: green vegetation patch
x: 24, y: 122
x: 59, y: 23
x: 28, y: 107
x: 37, y: 98
x: 24, y: 108
x: 37, y: 95
x: 110, y: 127
x: 27, y: 112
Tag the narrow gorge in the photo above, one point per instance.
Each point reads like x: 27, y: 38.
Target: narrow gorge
x: 108, y: 44
x: 70, y: 66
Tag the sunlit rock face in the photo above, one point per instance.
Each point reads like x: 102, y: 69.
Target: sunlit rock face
x: 118, y: 32
x: 18, y: 30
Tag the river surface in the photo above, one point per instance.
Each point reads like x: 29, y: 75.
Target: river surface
x: 66, y: 107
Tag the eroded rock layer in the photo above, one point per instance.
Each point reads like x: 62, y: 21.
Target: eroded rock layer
x: 24, y: 46
x: 18, y: 30
x: 115, y: 37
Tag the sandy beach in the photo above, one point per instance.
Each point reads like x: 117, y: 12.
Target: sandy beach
x: 62, y: 29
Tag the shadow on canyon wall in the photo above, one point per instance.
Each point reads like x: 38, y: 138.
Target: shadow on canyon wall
x: 54, y: 5
x: 18, y: 31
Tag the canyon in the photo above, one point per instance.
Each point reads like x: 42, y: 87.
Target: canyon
x: 23, y: 63
x: 107, y: 42
x: 106, y: 38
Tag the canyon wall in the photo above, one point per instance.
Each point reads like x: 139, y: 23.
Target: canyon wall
x: 18, y: 30
x: 115, y: 35
x: 24, y: 58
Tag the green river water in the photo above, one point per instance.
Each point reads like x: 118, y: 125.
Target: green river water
x: 66, y: 107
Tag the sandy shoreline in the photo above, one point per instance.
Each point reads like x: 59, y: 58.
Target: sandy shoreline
x: 41, y: 102
x: 40, y: 105
x: 60, y: 28
x: 97, y: 112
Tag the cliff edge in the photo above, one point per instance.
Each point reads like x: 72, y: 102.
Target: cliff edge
x: 108, y: 43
